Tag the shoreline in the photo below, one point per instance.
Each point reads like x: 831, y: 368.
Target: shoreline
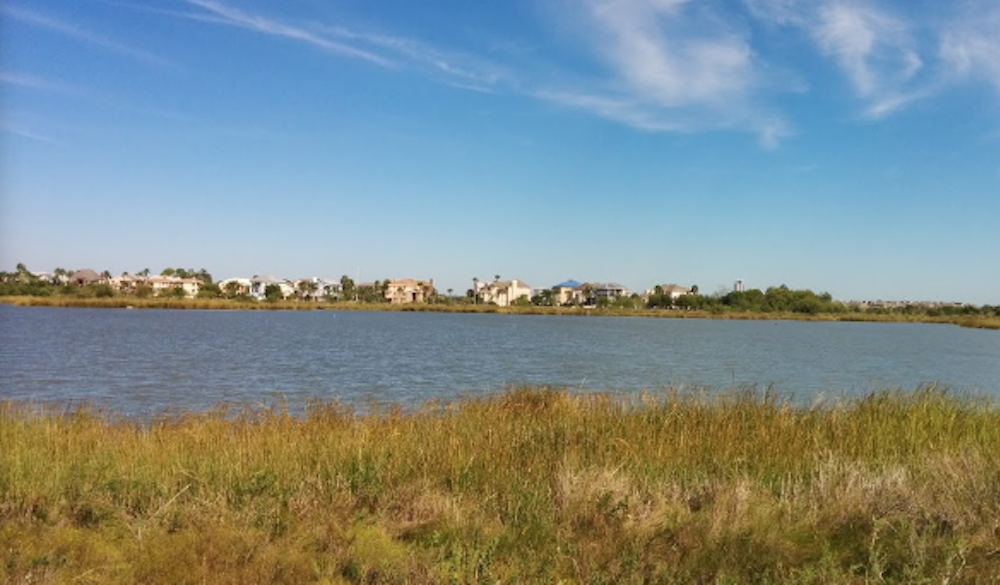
x: 975, y: 322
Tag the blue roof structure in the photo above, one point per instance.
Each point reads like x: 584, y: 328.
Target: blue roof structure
x: 568, y: 284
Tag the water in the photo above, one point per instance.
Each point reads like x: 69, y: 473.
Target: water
x: 145, y: 361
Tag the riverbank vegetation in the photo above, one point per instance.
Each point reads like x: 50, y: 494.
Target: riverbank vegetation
x: 531, y: 486
x: 24, y: 288
x: 979, y: 320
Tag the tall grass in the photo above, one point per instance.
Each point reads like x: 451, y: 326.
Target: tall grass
x: 532, y: 486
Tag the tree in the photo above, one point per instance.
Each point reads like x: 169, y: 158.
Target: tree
x: 475, y: 290
x: 144, y: 272
x: 307, y: 289
x: 232, y: 289
x: 209, y: 291
x: 347, y: 288
x: 544, y: 298
x: 272, y: 292
x: 168, y: 271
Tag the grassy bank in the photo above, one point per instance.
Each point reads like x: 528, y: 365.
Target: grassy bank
x: 121, y: 302
x: 533, y: 486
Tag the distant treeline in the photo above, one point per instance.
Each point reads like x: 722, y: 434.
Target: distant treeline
x: 776, y: 299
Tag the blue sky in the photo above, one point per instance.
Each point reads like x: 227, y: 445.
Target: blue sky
x: 839, y: 145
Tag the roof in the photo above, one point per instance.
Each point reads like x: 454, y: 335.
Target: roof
x: 266, y: 279
x: 605, y: 286
x: 86, y: 275
x: 568, y: 284
x: 675, y: 288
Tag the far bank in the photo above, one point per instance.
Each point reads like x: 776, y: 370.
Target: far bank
x: 123, y: 302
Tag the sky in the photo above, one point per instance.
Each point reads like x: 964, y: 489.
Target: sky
x: 844, y: 146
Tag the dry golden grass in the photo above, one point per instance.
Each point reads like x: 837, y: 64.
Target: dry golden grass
x: 531, y: 486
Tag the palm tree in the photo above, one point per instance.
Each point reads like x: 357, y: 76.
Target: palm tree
x: 475, y: 290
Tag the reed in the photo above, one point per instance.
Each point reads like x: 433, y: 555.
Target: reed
x: 535, y: 485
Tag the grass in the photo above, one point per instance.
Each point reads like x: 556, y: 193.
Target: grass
x: 535, y: 485
x: 120, y: 302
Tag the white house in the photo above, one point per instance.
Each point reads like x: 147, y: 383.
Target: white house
x: 502, y: 292
x: 259, y: 284
x: 317, y: 289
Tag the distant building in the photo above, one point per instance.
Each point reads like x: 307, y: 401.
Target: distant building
x: 572, y: 292
x: 567, y: 293
x: 409, y: 290
x: 190, y: 286
x: 605, y: 290
x: 236, y: 286
x: 502, y: 292
x: 85, y: 277
x: 738, y: 285
x: 674, y: 290
x: 259, y: 284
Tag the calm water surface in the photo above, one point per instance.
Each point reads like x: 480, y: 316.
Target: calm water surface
x: 143, y: 361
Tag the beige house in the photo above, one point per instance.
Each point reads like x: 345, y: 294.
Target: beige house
x: 408, y: 290
x: 190, y: 286
x: 238, y: 286
x: 502, y: 292
x: 126, y: 283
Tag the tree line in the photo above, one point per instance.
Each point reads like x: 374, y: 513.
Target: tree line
x: 775, y: 299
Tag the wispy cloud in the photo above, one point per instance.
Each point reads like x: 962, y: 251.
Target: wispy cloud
x: 83, y: 35
x: 386, y: 50
x: 228, y: 15
x: 875, y: 49
x: 673, y: 67
x: 458, y: 69
x: 16, y: 131
x: 28, y: 81
x: 970, y: 46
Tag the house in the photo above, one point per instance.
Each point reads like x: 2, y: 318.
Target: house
x: 567, y: 293
x: 126, y: 283
x: 675, y: 291
x: 317, y: 289
x: 161, y: 284
x: 502, y: 292
x: 408, y: 290
x: 259, y: 284
x: 235, y: 286
x: 605, y: 290
x: 85, y: 277
x: 572, y: 292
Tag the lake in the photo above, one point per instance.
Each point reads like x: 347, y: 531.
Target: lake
x: 145, y: 361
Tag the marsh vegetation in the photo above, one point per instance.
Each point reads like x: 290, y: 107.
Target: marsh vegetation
x: 534, y: 485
